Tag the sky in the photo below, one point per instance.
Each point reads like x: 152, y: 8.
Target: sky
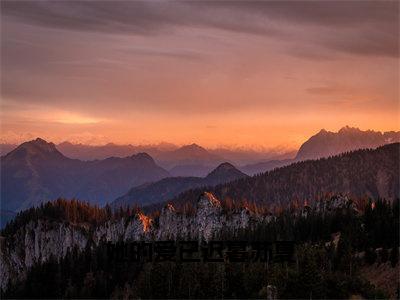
x: 258, y: 74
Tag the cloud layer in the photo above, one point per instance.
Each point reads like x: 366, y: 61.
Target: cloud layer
x: 137, y: 65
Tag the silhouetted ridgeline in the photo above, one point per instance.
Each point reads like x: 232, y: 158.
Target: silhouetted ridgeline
x: 370, y: 173
x: 327, y: 143
x: 36, y: 172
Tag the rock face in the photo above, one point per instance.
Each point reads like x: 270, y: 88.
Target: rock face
x: 208, y: 220
x: 38, y: 241
x: 337, y: 202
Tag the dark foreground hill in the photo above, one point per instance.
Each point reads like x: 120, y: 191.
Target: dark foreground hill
x: 69, y: 249
x: 370, y: 173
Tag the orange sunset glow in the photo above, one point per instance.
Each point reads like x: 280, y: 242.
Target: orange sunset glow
x: 260, y: 75
x: 199, y: 149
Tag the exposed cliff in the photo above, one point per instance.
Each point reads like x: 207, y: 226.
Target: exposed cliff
x: 38, y: 240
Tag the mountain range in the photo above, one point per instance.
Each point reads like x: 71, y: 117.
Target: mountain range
x: 361, y: 173
x: 189, y: 160
x: 169, y: 155
x: 327, y: 143
x: 194, y: 160
x: 36, y: 171
x: 168, y: 188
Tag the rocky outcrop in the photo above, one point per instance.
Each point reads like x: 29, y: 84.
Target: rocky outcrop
x: 337, y: 202
x: 208, y: 220
x: 38, y: 241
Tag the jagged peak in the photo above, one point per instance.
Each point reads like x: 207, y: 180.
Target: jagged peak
x: 322, y: 131
x: 43, y: 144
x: 348, y: 129
x: 343, y: 130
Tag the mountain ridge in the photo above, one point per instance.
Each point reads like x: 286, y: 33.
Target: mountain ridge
x: 360, y: 173
x: 327, y: 143
x: 36, y: 171
x: 170, y: 187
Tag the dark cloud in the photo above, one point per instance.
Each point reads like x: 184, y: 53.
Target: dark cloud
x: 323, y: 13
x: 135, y: 17
x: 147, y: 16
x: 175, y: 56
x: 103, y: 16
x: 369, y: 42
x: 360, y: 27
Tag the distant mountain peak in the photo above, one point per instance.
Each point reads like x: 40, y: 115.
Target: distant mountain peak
x: 191, y: 154
x: 36, y: 148
x: 66, y: 143
x: 192, y: 147
x: 326, y: 143
x: 142, y: 156
x: 43, y: 145
x: 225, y: 170
x: 195, y: 145
x: 40, y: 140
x: 322, y: 131
x: 225, y: 167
